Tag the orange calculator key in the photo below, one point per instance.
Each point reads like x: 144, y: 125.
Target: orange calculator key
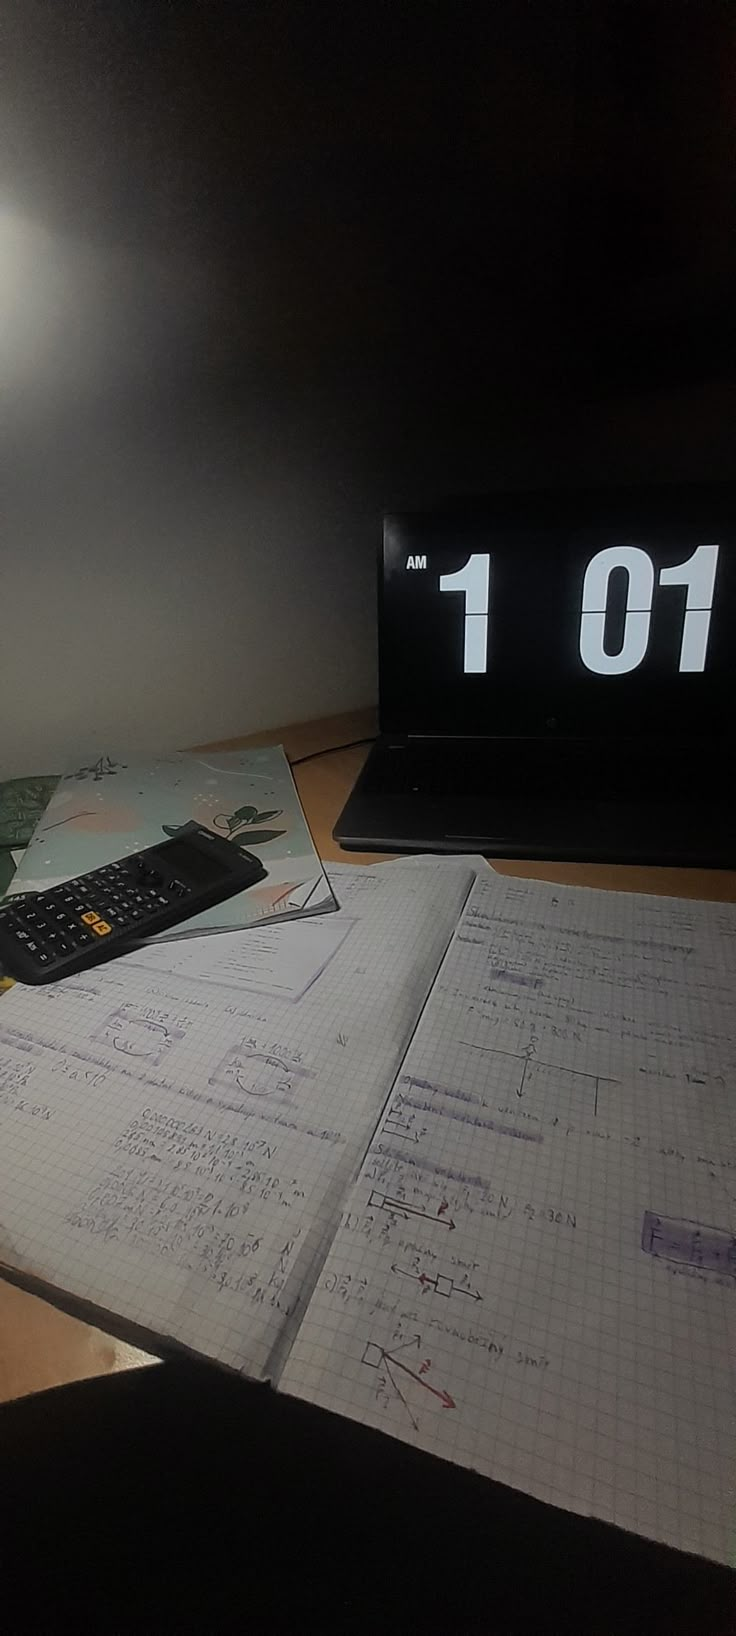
x: 90, y: 917
x: 101, y: 928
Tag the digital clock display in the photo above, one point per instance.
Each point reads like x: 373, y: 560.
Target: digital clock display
x: 573, y: 615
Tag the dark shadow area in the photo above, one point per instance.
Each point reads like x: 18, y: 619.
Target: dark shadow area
x: 178, y: 1498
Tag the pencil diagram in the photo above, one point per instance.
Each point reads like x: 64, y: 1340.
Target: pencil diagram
x: 132, y: 1034
x: 438, y: 1284
x: 521, y: 1074
x: 403, y: 1374
x: 399, y: 1207
x: 259, y: 1073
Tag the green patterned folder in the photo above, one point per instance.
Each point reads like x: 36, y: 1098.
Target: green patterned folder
x: 116, y: 805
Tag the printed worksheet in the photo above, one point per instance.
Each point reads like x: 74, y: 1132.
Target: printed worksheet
x: 269, y: 960
x: 535, y: 1273
x: 175, y: 1146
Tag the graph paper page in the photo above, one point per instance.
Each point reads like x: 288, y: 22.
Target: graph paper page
x: 535, y: 1273
x: 175, y: 1148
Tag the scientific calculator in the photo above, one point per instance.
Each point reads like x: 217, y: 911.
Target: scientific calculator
x: 51, y: 934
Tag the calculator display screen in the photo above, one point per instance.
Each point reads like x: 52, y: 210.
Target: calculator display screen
x: 194, y: 863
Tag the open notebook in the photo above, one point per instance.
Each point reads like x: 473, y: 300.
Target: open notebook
x: 457, y: 1161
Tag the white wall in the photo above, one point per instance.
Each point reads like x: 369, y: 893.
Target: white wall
x: 260, y: 281
x: 257, y: 282
x: 181, y: 559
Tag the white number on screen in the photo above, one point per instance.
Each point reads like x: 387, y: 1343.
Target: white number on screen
x: 474, y: 580
x: 698, y: 574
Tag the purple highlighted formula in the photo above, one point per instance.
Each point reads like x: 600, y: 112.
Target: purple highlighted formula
x: 713, y: 1249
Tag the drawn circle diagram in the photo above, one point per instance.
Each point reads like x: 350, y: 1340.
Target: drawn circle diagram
x: 259, y: 1074
x: 136, y: 1037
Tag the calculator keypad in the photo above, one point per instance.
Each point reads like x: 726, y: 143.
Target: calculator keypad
x: 114, y: 901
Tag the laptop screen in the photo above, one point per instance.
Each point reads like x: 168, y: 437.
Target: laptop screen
x: 591, y: 615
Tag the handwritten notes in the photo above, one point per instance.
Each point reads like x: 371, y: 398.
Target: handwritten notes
x: 176, y: 1147
x: 500, y: 1224
x: 535, y: 1273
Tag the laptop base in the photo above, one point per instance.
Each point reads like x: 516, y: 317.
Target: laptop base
x: 571, y: 802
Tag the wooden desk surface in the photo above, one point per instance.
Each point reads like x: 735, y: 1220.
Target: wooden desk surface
x: 41, y: 1347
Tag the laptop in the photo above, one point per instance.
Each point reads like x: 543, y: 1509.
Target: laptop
x: 556, y: 680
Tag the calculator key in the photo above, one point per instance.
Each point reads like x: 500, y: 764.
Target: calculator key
x: 22, y: 936
x: 63, y: 947
x: 90, y: 917
x: 101, y: 928
x: 42, y: 957
x: 81, y: 937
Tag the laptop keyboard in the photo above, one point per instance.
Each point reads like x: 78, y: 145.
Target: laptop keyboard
x: 525, y: 770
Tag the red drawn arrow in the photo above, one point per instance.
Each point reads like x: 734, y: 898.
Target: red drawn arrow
x: 444, y: 1397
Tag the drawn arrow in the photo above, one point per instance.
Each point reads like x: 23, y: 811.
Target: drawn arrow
x: 398, y: 1391
x: 444, y: 1397
x: 402, y: 1131
x: 439, y: 1283
x: 381, y: 1201
x: 456, y: 1289
x: 415, y: 1341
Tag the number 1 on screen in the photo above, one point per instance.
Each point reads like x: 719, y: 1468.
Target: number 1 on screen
x: 475, y: 581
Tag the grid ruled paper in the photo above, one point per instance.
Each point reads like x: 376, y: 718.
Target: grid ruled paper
x: 175, y: 1148
x: 535, y: 1273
